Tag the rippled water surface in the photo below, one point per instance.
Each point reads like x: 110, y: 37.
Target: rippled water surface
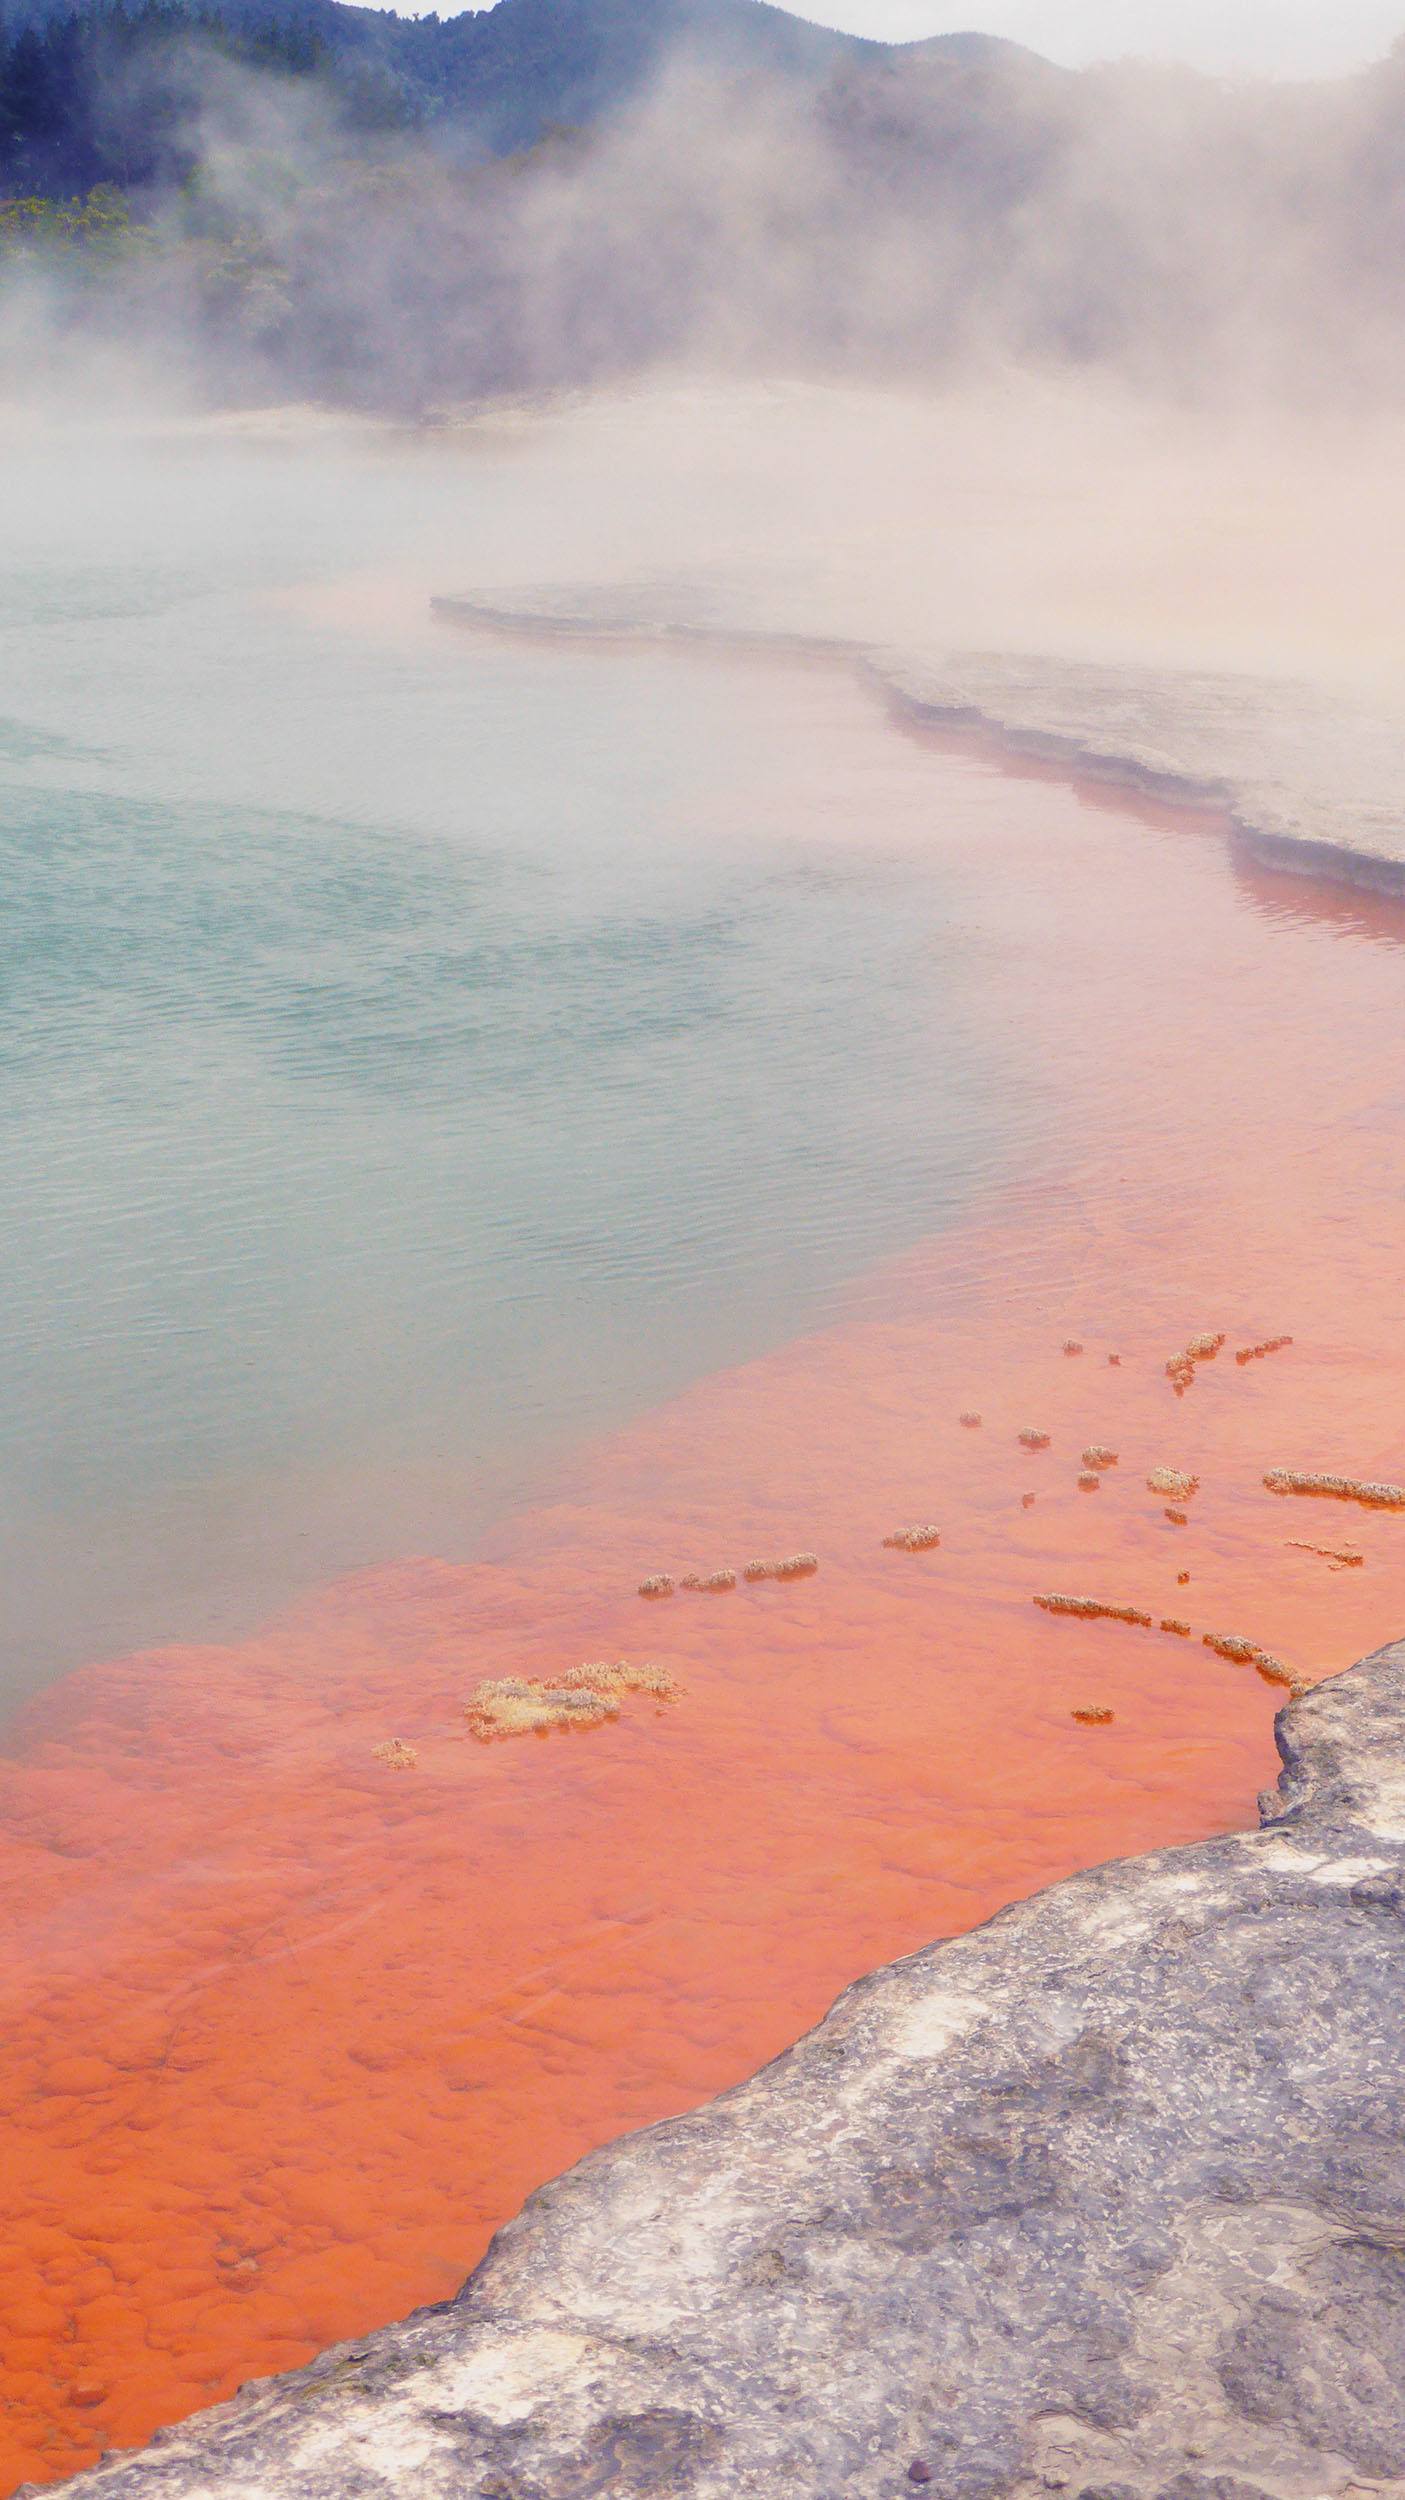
x: 416, y: 1051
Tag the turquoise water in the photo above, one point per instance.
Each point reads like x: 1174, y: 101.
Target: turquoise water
x: 416, y: 1052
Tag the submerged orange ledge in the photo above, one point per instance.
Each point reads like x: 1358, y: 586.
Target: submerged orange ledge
x: 292, y: 2023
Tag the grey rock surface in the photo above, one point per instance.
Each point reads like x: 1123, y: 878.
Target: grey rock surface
x: 1105, y: 2198
x: 1307, y: 777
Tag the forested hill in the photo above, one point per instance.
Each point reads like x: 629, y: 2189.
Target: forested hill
x: 305, y: 197
x: 107, y: 96
x: 97, y: 92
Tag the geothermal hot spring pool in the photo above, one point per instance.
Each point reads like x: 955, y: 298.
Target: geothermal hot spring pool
x: 489, y: 1122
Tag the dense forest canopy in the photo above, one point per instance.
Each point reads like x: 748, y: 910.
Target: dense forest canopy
x: 111, y: 97
x: 501, y: 77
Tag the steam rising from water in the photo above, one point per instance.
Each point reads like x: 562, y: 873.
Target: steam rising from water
x: 909, y: 217
x: 940, y: 354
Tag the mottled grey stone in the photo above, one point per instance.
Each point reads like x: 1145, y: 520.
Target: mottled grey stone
x: 1105, y: 2199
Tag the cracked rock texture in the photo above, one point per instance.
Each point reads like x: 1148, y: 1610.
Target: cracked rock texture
x: 1105, y: 2198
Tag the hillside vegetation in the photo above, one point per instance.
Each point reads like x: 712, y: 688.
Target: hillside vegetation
x: 275, y: 195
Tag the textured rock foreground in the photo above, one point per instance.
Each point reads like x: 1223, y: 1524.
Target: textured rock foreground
x: 1107, y: 2197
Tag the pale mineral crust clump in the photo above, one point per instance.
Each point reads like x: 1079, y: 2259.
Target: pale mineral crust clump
x: 914, y: 1540
x: 790, y: 1567
x: 623, y: 1675
x: 1099, y: 1455
x: 1173, y: 1483
x: 710, y: 1583
x: 1180, y: 1370
x: 1030, y: 1439
x: 1337, y: 1488
x: 518, y: 1705
x: 400, y: 1755
x: 1244, y: 1653
x: 1089, y: 1482
x: 658, y: 1584
x: 971, y: 1420
x: 1339, y: 1557
x: 1093, y: 1610
x: 1256, y: 1353
x: 1093, y: 1717
x: 515, y: 1705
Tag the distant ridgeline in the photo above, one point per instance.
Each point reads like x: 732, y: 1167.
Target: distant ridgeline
x: 98, y: 93
x: 338, y: 193
x: 308, y: 196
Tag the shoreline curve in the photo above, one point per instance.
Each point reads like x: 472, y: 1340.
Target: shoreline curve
x: 961, y: 710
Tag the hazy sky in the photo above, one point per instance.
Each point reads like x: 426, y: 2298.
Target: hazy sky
x: 1292, y: 37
